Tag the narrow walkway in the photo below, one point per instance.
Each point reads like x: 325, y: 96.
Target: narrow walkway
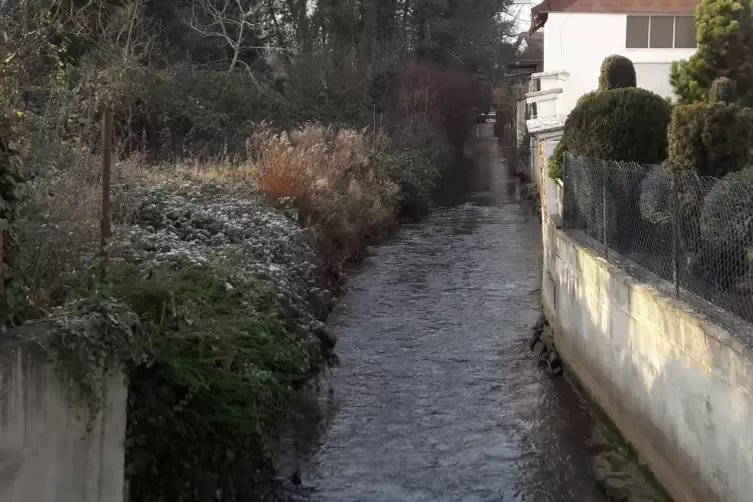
x: 438, y: 397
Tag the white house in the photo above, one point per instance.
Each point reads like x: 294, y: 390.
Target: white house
x: 579, y: 34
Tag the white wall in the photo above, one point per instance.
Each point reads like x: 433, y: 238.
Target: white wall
x: 46, y: 452
x: 579, y: 42
x: 679, y: 387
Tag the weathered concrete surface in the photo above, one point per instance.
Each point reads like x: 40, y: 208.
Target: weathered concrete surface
x: 46, y: 454
x: 678, y: 386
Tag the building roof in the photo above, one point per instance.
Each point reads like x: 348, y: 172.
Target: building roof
x: 539, y: 13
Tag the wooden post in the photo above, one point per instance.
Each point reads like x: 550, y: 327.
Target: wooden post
x: 2, y: 257
x: 107, y: 143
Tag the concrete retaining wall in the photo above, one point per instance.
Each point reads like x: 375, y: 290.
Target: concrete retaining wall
x: 678, y: 386
x: 46, y: 454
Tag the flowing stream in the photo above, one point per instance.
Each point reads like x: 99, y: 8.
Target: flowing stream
x: 438, y: 397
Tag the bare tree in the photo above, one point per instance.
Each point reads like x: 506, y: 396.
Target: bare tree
x: 230, y: 21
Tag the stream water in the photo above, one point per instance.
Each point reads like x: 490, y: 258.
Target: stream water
x: 438, y: 397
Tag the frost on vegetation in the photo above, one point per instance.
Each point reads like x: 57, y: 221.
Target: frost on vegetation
x: 236, y: 230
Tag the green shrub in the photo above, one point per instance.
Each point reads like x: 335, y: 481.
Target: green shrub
x: 662, y: 208
x: 656, y: 196
x: 10, y: 163
x: 727, y: 229
x: 216, y: 382
x: 416, y: 175
x: 557, y: 162
x: 617, y: 72
x: 722, y: 90
x: 183, y: 110
x: 712, y: 139
x: 724, y: 30
x: 619, y: 124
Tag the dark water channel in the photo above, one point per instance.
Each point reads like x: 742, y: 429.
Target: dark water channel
x: 438, y: 397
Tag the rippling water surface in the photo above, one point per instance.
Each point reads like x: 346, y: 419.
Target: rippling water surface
x: 438, y: 397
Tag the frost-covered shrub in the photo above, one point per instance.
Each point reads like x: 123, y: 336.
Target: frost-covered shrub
x: 238, y: 230
x: 229, y: 295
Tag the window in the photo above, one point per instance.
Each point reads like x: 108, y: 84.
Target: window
x: 660, y: 32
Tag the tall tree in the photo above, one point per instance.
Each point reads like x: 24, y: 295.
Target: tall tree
x: 725, y: 40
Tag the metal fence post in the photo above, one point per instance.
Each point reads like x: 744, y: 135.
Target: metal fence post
x: 604, y: 205
x: 675, y: 234
x: 565, y: 201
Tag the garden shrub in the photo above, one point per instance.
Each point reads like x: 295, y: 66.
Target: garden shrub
x: 619, y: 124
x: 712, y: 139
x: 616, y: 125
x: 667, y: 198
x: 557, y: 162
x: 724, y: 30
x: 416, y: 175
x: 215, y: 380
x: 656, y: 196
x: 726, y: 229
x: 723, y: 90
x: 617, y: 72
x: 229, y: 298
x: 181, y: 110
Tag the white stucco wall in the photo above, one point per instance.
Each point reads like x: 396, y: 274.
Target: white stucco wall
x: 579, y: 42
x: 678, y: 386
x: 46, y: 452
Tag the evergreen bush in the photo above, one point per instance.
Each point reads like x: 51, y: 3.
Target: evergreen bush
x: 712, y: 139
x: 620, y: 124
x: 722, y: 90
x: 617, y: 72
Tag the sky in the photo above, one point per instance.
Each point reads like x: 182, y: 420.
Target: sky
x: 521, y: 10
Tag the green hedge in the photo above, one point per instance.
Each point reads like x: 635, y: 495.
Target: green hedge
x: 620, y: 124
x: 712, y: 139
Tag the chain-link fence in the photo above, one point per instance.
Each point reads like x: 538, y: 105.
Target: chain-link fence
x: 695, y: 232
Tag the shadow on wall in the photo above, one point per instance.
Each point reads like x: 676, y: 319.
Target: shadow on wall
x: 678, y: 388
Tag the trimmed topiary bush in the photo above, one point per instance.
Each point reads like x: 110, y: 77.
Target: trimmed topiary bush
x: 723, y: 90
x: 623, y: 125
x: 713, y: 139
x: 617, y: 72
x: 620, y: 124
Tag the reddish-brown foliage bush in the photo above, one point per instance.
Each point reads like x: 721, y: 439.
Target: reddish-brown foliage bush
x: 442, y: 93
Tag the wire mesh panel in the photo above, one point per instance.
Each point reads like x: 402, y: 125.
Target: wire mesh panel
x: 583, y: 191
x: 695, y: 232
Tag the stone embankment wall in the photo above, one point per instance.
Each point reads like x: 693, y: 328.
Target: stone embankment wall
x: 678, y: 386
